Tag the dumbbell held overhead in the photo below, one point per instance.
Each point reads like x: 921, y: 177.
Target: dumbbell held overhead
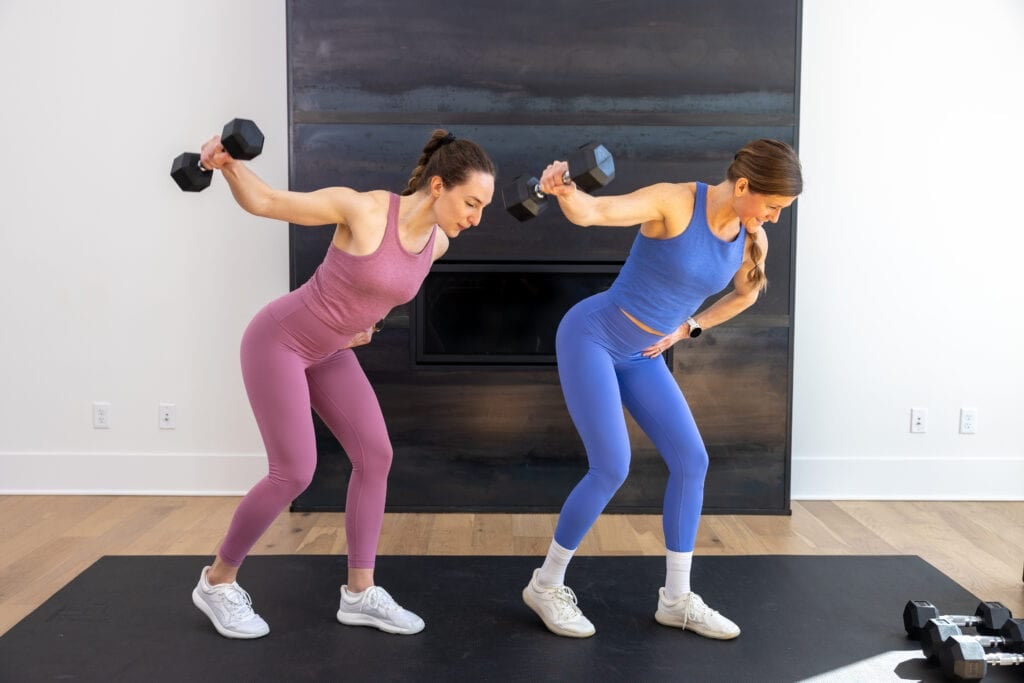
x: 242, y: 139
x: 591, y: 167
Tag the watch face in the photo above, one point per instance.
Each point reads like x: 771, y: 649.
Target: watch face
x: 695, y: 331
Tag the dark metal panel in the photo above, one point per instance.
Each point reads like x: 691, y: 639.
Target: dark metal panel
x: 538, y: 57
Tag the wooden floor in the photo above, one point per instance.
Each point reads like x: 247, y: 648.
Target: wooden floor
x: 45, y: 541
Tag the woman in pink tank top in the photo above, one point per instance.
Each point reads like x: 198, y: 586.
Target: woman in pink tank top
x: 297, y: 357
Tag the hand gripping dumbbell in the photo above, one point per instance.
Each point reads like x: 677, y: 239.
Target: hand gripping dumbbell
x: 936, y: 633
x: 591, y: 167
x: 988, y: 617
x: 241, y: 138
x: 964, y: 659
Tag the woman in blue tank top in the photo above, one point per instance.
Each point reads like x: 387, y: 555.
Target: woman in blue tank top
x: 693, y: 240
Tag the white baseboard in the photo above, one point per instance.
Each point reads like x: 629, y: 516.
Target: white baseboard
x: 905, y: 478
x: 131, y: 474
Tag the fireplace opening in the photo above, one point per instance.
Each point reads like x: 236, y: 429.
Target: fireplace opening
x: 499, y: 313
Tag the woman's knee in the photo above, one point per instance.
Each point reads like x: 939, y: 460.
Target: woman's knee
x: 294, y: 479
x: 375, y: 458
x: 612, y: 477
x: 691, y: 464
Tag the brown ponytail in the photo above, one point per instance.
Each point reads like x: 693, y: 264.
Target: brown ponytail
x: 451, y: 158
x: 756, y: 275
x: 770, y: 167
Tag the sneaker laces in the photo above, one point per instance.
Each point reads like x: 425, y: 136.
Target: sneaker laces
x: 379, y: 599
x: 565, y: 601
x: 697, y: 609
x: 238, y: 603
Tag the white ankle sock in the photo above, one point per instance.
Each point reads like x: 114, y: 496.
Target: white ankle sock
x: 677, y: 574
x: 552, y: 572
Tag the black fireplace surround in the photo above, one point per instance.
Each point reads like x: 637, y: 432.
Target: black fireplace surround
x: 465, y: 373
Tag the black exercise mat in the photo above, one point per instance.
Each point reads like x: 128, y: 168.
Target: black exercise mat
x: 827, y: 618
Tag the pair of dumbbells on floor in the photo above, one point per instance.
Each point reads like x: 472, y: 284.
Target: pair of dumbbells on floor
x: 241, y: 138
x: 963, y: 657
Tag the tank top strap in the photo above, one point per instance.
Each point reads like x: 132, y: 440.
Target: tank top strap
x: 428, y: 251
x: 394, y: 203
x: 700, y: 201
x: 396, y: 241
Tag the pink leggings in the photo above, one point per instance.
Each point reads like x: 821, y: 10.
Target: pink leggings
x: 290, y: 363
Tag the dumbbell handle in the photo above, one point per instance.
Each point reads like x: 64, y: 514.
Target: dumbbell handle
x: 566, y: 180
x: 203, y: 168
x: 962, y: 620
x: 1003, y: 658
x: 989, y: 641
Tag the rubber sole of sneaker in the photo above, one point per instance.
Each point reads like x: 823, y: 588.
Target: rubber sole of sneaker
x: 350, y: 619
x: 554, y: 628
x: 675, y: 622
x: 198, y: 601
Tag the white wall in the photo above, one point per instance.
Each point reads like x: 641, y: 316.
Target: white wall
x: 115, y: 286
x: 910, y: 257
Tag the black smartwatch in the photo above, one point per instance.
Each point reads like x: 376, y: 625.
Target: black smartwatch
x: 695, y: 328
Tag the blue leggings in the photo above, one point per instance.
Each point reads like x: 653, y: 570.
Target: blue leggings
x: 601, y: 370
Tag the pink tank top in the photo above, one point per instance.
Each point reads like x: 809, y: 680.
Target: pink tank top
x: 350, y: 293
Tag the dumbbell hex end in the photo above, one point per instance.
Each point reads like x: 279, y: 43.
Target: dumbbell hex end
x: 522, y: 199
x: 188, y: 174
x: 916, y: 614
x: 592, y: 166
x: 242, y: 139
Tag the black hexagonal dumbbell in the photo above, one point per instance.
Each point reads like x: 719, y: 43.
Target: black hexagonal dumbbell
x: 241, y: 138
x: 988, y: 617
x: 591, y: 167
x: 964, y: 659
x: 938, y: 631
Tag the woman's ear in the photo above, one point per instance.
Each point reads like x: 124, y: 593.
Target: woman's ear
x: 436, y: 186
x: 741, y: 187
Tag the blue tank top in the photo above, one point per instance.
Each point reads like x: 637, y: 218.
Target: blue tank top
x: 663, y: 282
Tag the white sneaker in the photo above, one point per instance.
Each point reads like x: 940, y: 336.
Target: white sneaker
x: 556, y: 606
x: 689, y: 612
x: 375, y: 607
x: 229, y: 607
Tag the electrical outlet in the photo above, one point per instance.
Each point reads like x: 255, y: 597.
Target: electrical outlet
x: 100, y: 415
x: 918, y: 420
x: 166, y: 416
x: 968, y: 420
